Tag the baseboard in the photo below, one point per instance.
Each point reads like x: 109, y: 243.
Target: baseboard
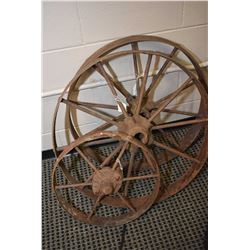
x: 48, y: 154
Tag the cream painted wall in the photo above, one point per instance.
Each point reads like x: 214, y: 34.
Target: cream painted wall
x: 74, y: 30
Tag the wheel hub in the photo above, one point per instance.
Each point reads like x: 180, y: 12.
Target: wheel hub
x: 107, y: 181
x: 136, y: 126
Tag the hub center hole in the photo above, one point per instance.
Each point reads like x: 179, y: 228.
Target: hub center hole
x: 139, y: 136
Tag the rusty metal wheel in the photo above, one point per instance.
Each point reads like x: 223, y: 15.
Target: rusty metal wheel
x: 137, y: 112
x: 112, y: 181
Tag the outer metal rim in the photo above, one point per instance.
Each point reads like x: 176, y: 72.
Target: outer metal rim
x: 141, y: 205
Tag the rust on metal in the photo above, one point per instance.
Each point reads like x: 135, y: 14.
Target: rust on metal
x: 112, y: 178
x: 106, y: 181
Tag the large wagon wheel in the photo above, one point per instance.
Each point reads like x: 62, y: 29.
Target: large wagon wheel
x: 141, y: 122
x: 135, y: 42
x: 111, y: 181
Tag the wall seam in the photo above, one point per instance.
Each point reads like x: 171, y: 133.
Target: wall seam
x: 80, y: 21
x: 183, y: 4
x: 110, y: 40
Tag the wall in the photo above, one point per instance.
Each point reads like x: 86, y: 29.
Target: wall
x: 74, y: 30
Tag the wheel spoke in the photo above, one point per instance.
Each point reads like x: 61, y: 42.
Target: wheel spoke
x: 142, y: 177
x: 106, y: 161
x: 156, y: 64
x: 163, y: 69
x: 175, y: 151
x: 97, y: 203
x: 170, y: 99
x: 117, y: 161
x: 167, y: 97
x: 99, y: 142
x: 180, y: 123
x: 75, y: 185
x: 180, y: 112
x: 113, y: 91
x: 143, y: 85
x: 91, y: 112
x: 126, y: 202
x: 131, y: 162
x: 86, y: 159
x: 105, y: 125
x: 87, y: 151
x: 97, y: 105
x: 117, y: 83
x: 137, y: 65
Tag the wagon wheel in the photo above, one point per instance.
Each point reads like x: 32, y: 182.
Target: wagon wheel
x: 112, y: 181
x: 164, y: 45
x: 135, y: 42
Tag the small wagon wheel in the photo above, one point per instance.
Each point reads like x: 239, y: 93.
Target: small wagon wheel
x: 107, y: 182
